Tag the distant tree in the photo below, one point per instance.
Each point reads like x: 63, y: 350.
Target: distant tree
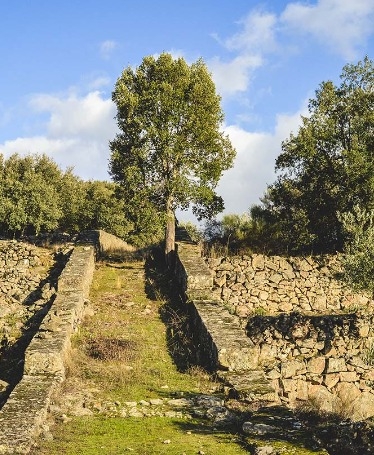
x: 72, y: 194
x: 328, y: 166
x: 233, y: 232
x: 170, y: 152
x: 103, y: 209
x: 358, y: 260
x: 29, y: 198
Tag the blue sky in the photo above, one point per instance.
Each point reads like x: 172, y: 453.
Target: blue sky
x: 60, y: 61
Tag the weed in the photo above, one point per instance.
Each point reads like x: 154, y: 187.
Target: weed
x: 258, y: 311
x: 368, y: 355
x: 112, y: 349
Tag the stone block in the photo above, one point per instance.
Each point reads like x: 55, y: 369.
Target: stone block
x: 347, y: 392
x: 292, y: 368
x: 348, y: 376
x: 335, y: 365
x: 330, y: 380
x: 316, y: 365
x: 363, y: 406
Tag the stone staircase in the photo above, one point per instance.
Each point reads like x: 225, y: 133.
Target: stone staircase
x: 221, y: 341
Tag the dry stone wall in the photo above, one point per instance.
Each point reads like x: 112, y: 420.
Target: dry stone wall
x: 24, y: 413
x: 26, y: 286
x: 259, y: 284
x: 325, y: 359
x: 311, y: 337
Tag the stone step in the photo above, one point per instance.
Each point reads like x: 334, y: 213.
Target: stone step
x: 222, y: 338
x: 249, y: 385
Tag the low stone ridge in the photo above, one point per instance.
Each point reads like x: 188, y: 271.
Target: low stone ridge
x: 24, y: 413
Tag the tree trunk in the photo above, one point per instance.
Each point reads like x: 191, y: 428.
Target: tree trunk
x: 170, y: 236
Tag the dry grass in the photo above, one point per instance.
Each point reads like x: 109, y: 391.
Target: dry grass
x: 112, y: 349
x: 114, y: 247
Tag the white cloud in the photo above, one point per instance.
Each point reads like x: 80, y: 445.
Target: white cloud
x: 89, y: 116
x: 99, y: 82
x: 233, y: 76
x: 256, y: 37
x: 343, y: 25
x: 76, y: 134
x: 106, y: 48
x: 244, y: 184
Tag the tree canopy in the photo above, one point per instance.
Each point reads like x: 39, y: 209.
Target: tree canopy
x: 36, y: 196
x: 327, y: 167
x: 170, y: 152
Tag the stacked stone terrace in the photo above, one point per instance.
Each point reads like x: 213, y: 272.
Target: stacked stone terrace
x: 260, y: 284
x: 311, y: 335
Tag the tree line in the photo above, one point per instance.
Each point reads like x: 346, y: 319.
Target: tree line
x: 37, y: 196
x: 170, y: 153
x: 325, y: 171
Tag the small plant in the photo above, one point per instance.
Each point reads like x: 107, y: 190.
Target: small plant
x: 258, y: 311
x: 229, y: 307
x: 368, y: 355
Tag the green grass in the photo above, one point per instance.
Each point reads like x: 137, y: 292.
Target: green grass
x: 129, y: 306
x: 122, y: 310
x: 152, y: 436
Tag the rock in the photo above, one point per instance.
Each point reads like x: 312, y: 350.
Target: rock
x: 292, y: 368
x: 3, y: 385
x: 316, y: 365
x: 156, y: 401
x: 265, y: 450
x: 258, y: 429
x: 330, y: 380
x: 363, y: 406
x: 180, y: 402
x: 324, y: 400
x: 335, y: 365
x: 347, y: 392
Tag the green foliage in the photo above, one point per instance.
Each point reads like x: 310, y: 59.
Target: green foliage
x: 104, y: 209
x: 327, y: 167
x: 29, y: 199
x: 358, y: 261
x: 170, y: 152
x: 233, y: 231
x: 193, y: 231
x: 37, y: 196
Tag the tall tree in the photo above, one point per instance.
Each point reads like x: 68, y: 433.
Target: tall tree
x: 170, y: 152
x: 328, y: 166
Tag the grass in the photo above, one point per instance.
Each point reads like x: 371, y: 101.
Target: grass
x: 133, y: 347
x: 121, y: 354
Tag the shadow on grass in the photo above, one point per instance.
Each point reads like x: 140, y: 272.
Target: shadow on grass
x: 273, y: 426
x: 160, y: 285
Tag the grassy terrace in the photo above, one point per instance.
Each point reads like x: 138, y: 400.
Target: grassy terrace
x: 130, y: 388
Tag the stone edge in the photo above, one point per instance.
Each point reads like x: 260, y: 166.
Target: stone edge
x: 25, y: 412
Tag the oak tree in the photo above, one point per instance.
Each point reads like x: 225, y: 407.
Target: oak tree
x: 170, y: 151
x: 328, y: 166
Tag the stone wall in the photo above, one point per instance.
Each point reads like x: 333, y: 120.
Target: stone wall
x: 311, y: 337
x: 221, y: 344
x: 327, y: 360
x: 24, y: 413
x: 27, y: 285
x: 259, y: 284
